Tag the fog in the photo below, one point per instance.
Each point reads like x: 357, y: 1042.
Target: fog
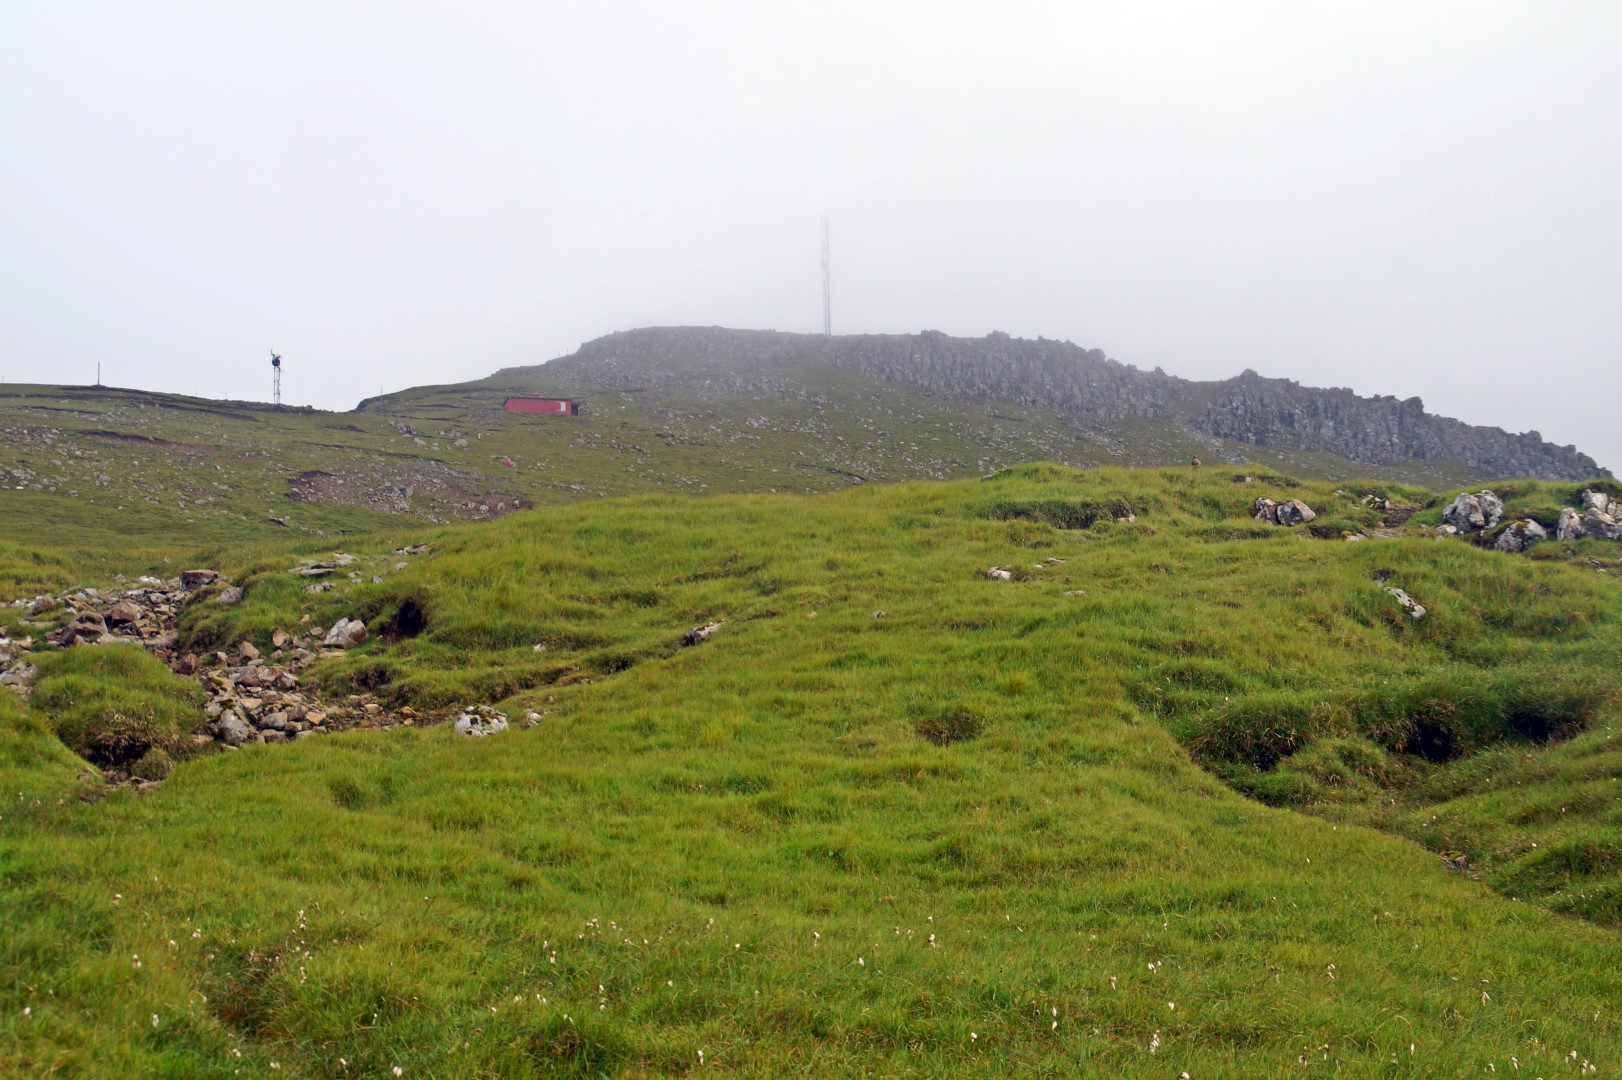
x: 1400, y: 198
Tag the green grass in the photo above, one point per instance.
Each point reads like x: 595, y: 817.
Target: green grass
x: 743, y: 847
x: 115, y: 705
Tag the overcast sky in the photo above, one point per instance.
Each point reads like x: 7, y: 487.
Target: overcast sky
x: 1403, y: 198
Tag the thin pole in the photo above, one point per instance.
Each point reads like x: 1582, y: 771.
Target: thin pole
x: 827, y: 286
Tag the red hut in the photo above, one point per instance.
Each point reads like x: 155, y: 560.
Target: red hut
x: 543, y: 406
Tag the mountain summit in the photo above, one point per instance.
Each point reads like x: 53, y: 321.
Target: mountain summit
x: 1090, y: 390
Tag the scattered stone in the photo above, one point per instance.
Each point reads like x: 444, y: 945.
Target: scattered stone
x: 230, y: 597
x: 700, y: 634
x: 1265, y: 509
x: 279, y: 639
x: 1355, y: 536
x: 1409, y: 604
x: 345, y: 633
x: 878, y: 615
x: 997, y: 573
x: 42, y: 604
x: 18, y: 675
x: 481, y: 720
x: 248, y: 651
x: 1520, y: 535
x: 414, y: 549
x: 1447, y: 530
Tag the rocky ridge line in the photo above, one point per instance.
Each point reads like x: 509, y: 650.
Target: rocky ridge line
x: 1083, y: 383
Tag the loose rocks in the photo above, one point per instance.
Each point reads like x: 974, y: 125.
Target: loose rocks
x: 481, y: 720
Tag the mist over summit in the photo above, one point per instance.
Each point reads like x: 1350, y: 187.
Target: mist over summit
x: 1091, y: 391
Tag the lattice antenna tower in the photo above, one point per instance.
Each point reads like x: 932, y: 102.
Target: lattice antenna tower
x: 827, y: 286
x: 276, y: 379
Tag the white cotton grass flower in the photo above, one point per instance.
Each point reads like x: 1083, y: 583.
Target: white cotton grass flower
x: 397, y: 1071
x: 1154, y: 1042
x: 154, y: 1021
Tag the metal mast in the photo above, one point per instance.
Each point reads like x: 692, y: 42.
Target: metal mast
x: 276, y: 379
x: 827, y: 287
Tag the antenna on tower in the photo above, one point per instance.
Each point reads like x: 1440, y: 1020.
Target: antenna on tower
x: 827, y: 287
x: 276, y: 378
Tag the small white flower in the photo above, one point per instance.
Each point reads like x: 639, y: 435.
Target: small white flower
x: 861, y: 961
x: 154, y: 1020
x: 974, y: 1036
x: 397, y: 1071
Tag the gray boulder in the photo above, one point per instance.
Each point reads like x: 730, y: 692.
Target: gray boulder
x: 1597, y: 525
x: 1596, y: 500
x: 345, y: 633
x: 1520, y: 535
x: 1569, y: 525
x: 1472, y: 513
x: 1294, y: 512
x: 1409, y: 604
x: 1265, y: 509
x: 232, y: 729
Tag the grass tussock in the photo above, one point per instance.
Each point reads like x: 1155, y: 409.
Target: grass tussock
x: 117, y: 707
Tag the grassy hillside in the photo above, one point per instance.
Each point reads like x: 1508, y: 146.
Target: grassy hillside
x: 894, y: 817
x: 84, y: 469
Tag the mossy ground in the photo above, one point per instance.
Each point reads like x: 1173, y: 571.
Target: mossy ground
x: 758, y: 847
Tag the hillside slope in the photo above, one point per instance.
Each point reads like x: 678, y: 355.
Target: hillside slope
x: 893, y: 818
x: 693, y: 411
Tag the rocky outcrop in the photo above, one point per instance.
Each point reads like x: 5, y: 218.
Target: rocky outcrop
x: 1472, y: 513
x: 1520, y: 535
x: 1073, y: 380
